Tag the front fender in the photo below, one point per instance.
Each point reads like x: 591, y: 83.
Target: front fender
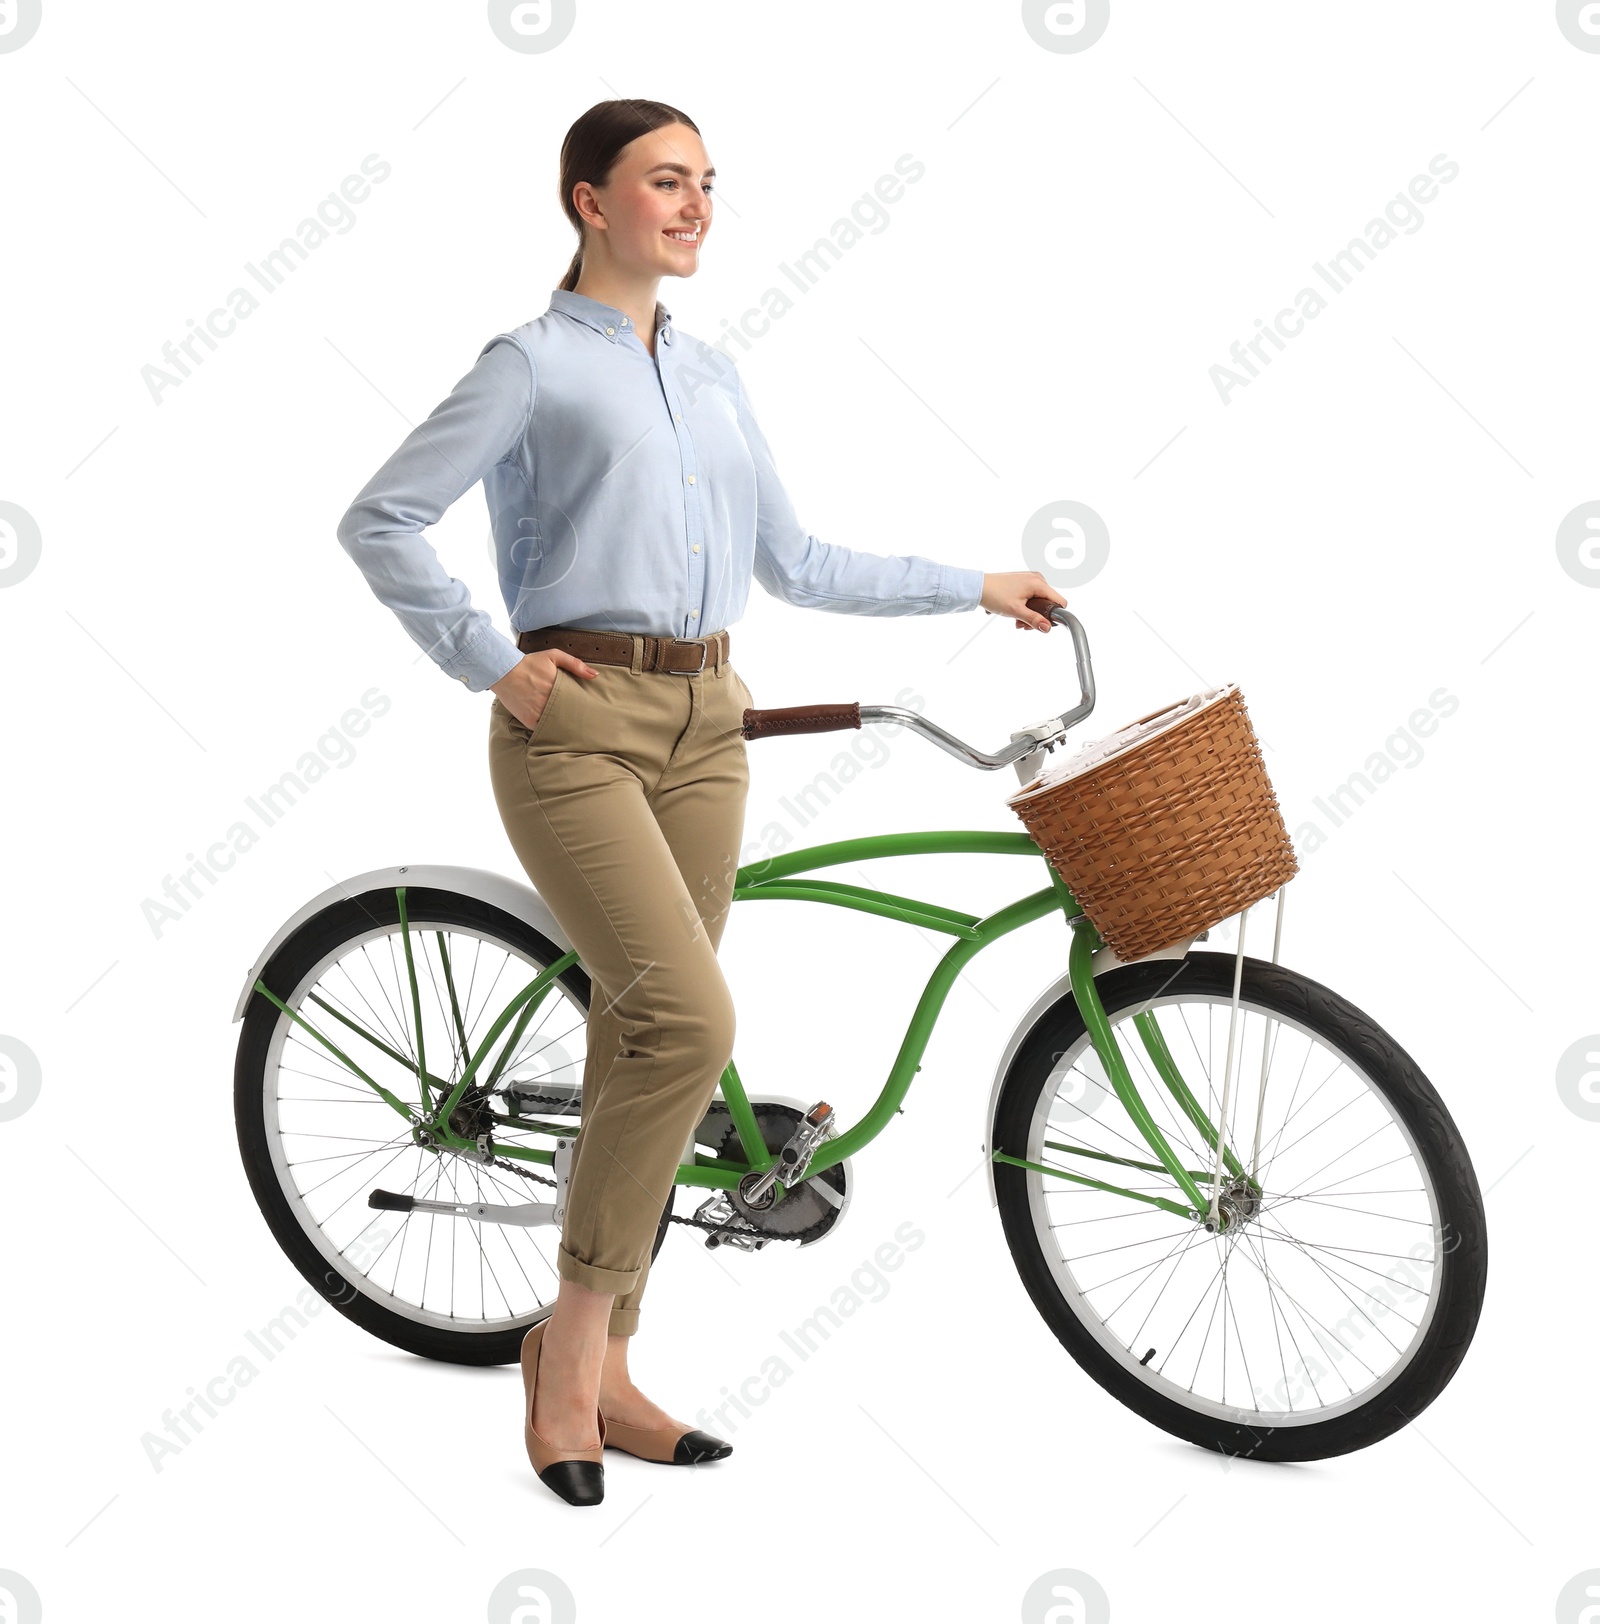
x: 1101, y: 961
x: 514, y: 897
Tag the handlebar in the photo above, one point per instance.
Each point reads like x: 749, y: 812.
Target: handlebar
x: 1023, y: 751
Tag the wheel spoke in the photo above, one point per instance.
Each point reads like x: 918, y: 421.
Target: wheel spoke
x: 1336, y: 1314
x: 457, y: 1275
x: 1336, y: 1274
x: 1272, y: 1298
x: 1185, y: 1241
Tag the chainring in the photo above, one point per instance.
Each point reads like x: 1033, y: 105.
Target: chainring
x: 803, y: 1215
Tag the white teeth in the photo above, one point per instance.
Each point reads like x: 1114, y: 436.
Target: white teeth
x: 683, y: 236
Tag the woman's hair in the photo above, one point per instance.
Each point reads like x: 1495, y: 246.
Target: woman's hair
x: 592, y: 146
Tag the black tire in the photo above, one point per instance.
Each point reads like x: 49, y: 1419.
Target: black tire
x: 1336, y: 1022
x: 321, y: 935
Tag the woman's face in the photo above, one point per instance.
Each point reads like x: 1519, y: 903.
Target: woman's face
x: 655, y: 210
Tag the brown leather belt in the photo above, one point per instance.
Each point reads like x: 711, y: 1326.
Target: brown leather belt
x: 637, y: 650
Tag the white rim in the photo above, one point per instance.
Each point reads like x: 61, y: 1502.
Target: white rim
x: 1288, y: 1280
x: 510, y: 1276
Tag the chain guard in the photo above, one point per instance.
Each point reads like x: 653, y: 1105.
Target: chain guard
x: 803, y: 1215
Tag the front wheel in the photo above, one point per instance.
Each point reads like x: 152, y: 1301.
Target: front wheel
x: 1344, y: 1288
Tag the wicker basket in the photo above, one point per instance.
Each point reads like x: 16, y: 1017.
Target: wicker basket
x: 1167, y: 826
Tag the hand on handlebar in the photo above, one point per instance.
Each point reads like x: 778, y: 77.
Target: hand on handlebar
x: 1008, y: 594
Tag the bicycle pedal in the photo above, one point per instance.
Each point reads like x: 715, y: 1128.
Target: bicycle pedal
x: 719, y: 1209
x: 744, y: 1240
x: 815, y: 1126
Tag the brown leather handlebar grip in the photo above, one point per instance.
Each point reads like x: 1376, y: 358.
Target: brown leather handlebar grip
x: 771, y: 724
x: 1043, y: 606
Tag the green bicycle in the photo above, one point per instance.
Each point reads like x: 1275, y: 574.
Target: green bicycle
x: 1235, y: 1200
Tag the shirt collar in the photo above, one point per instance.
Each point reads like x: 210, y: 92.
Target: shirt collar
x: 606, y: 320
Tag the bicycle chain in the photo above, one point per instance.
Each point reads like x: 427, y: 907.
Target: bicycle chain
x: 672, y: 1217
x: 724, y: 1226
x: 522, y: 1172
x: 705, y: 1223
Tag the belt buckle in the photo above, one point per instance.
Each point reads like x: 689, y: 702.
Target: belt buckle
x: 702, y: 665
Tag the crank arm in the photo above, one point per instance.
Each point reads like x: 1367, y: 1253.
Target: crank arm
x: 793, y: 1159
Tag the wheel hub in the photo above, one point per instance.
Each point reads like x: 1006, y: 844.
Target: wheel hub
x: 1241, y: 1201
x: 472, y: 1115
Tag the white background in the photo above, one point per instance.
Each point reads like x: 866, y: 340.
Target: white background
x: 1372, y: 519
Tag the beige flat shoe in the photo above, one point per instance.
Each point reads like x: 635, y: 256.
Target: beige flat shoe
x: 673, y: 1446
x: 577, y: 1475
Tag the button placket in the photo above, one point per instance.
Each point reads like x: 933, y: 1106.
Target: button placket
x: 694, y: 528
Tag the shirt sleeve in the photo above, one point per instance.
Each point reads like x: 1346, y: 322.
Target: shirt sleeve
x: 813, y: 574
x: 480, y: 423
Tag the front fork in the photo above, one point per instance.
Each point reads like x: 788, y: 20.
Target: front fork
x: 1196, y: 1207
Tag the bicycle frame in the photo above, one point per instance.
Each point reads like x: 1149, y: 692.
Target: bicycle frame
x: 784, y: 877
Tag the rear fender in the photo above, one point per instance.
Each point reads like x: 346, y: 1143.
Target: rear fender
x: 514, y: 897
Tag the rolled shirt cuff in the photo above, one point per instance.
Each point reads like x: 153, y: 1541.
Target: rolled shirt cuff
x: 483, y: 661
x: 959, y: 588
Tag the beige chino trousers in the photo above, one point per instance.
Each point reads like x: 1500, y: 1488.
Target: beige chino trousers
x: 625, y: 805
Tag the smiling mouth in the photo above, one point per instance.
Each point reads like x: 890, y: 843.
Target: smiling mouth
x: 687, y: 238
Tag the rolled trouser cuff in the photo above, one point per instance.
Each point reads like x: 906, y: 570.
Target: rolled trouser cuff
x: 623, y: 1322
x: 617, y: 1281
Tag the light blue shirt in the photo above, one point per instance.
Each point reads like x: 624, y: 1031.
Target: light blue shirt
x: 628, y: 492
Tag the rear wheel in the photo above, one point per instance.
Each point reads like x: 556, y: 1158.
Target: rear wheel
x: 1345, y: 1288
x: 317, y: 1140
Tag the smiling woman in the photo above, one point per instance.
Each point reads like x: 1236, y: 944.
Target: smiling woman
x: 634, y: 500
x: 663, y: 192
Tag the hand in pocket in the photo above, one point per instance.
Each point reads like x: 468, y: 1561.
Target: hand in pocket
x: 526, y: 688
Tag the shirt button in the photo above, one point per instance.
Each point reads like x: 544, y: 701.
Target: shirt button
x: 694, y: 614
x: 696, y: 548
x: 691, y: 479
x: 676, y: 418
x: 611, y: 329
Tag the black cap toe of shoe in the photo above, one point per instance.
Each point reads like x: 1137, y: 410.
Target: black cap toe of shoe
x: 697, y: 1446
x: 578, y: 1482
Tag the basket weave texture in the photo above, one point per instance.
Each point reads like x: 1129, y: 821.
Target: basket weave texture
x: 1171, y: 836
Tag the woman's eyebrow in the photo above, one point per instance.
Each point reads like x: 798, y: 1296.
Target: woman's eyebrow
x: 680, y: 169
